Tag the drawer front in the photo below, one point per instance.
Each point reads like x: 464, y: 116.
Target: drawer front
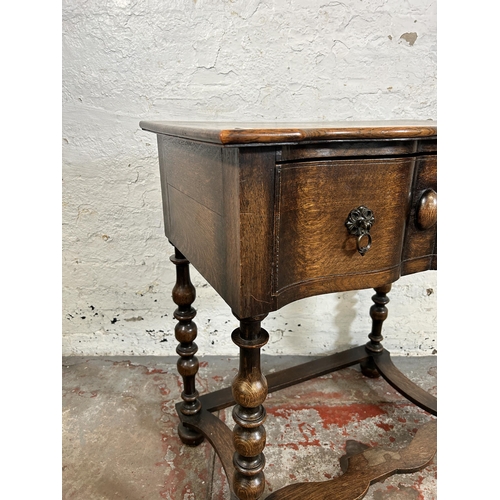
x: 314, y: 252
x: 420, y: 250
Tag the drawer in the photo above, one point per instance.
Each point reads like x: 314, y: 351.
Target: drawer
x: 314, y: 251
x: 420, y: 249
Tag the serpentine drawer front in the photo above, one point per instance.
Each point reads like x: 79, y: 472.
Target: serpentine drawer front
x: 315, y: 253
x: 269, y: 214
x: 265, y: 218
x: 314, y: 200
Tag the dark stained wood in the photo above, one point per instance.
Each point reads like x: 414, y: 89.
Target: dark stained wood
x: 200, y: 233
x: 336, y: 149
x: 218, y: 435
x: 403, y: 384
x: 192, y: 183
x: 264, y: 234
x: 427, y: 146
x: 260, y: 210
x: 427, y: 210
x: 378, y: 314
x: 184, y: 294
x: 231, y: 291
x: 249, y: 389
x: 256, y: 193
x: 219, y: 208
x: 366, y: 468
x: 312, y: 244
x: 276, y: 381
x: 163, y: 160
x: 420, y: 244
x: 352, y: 448
x: 279, y: 132
x: 194, y: 169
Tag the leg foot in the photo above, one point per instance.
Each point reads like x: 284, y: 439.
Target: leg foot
x: 188, y: 436
x: 369, y: 369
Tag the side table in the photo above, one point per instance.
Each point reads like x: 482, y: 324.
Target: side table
x: 270, y: 213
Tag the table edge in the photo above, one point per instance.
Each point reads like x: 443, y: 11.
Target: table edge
x: 226, y: 133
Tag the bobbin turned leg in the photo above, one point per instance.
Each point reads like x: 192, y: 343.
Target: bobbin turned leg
x: 184, y: 294
x: 378, y: 313
x: 249, y: 391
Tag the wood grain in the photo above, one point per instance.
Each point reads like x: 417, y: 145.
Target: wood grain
x: 339, y: 149
x: 234, y: 133
x: 249, y: 389
x: 216, y: 432
x: 260, y: 211
x: 403, y: 384
x: 200, y: 233
x: 276, y: 381
x: 366, y: 468
x: 265, y: 224
x: 420, y: 245
x: 315, y: 198
x: 194, y: 169
x: 256, y: 225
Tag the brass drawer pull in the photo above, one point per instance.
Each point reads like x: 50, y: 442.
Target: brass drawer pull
x: 427, y: 210
x: 359, y: 223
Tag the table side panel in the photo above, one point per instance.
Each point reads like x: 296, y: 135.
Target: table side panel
x: 219, y: 212
x: 163, y: 159
x: 194, y: 169
x: 193, y: 207
x: 198, y: 233
x: 231, y: 202
x: 257, y: 176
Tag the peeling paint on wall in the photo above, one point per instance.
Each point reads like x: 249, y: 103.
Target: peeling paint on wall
x: 411, y: 38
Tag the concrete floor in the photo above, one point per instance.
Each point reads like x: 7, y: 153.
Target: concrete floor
x: 120, y: 439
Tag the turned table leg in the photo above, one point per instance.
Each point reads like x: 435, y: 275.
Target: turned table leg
x: 249, y: 391
x: 378, y: 313
x: 184, y: 294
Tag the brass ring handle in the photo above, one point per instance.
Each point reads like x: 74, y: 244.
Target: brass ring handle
x: 427, y: 210
x: 362, y: 250
x: 358, y: 223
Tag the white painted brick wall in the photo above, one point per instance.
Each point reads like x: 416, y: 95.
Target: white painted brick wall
x: 126, y: 60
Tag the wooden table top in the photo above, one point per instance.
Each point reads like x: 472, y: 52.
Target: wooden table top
x: 234, y: 133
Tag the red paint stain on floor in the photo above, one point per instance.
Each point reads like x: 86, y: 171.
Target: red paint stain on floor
x: 335, y: 415
x: 324, y: 396
x: 339, y: 415
x: 293, y: 446
x: 342, y: 415
x: 152, y: 371
x: 164, y: 390
x: 418, y: 487
x: 85, y: 394
x: 386, y: 427
x: 177, y: 473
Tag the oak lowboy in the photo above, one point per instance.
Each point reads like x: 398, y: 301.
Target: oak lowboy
x: 271, y: 213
